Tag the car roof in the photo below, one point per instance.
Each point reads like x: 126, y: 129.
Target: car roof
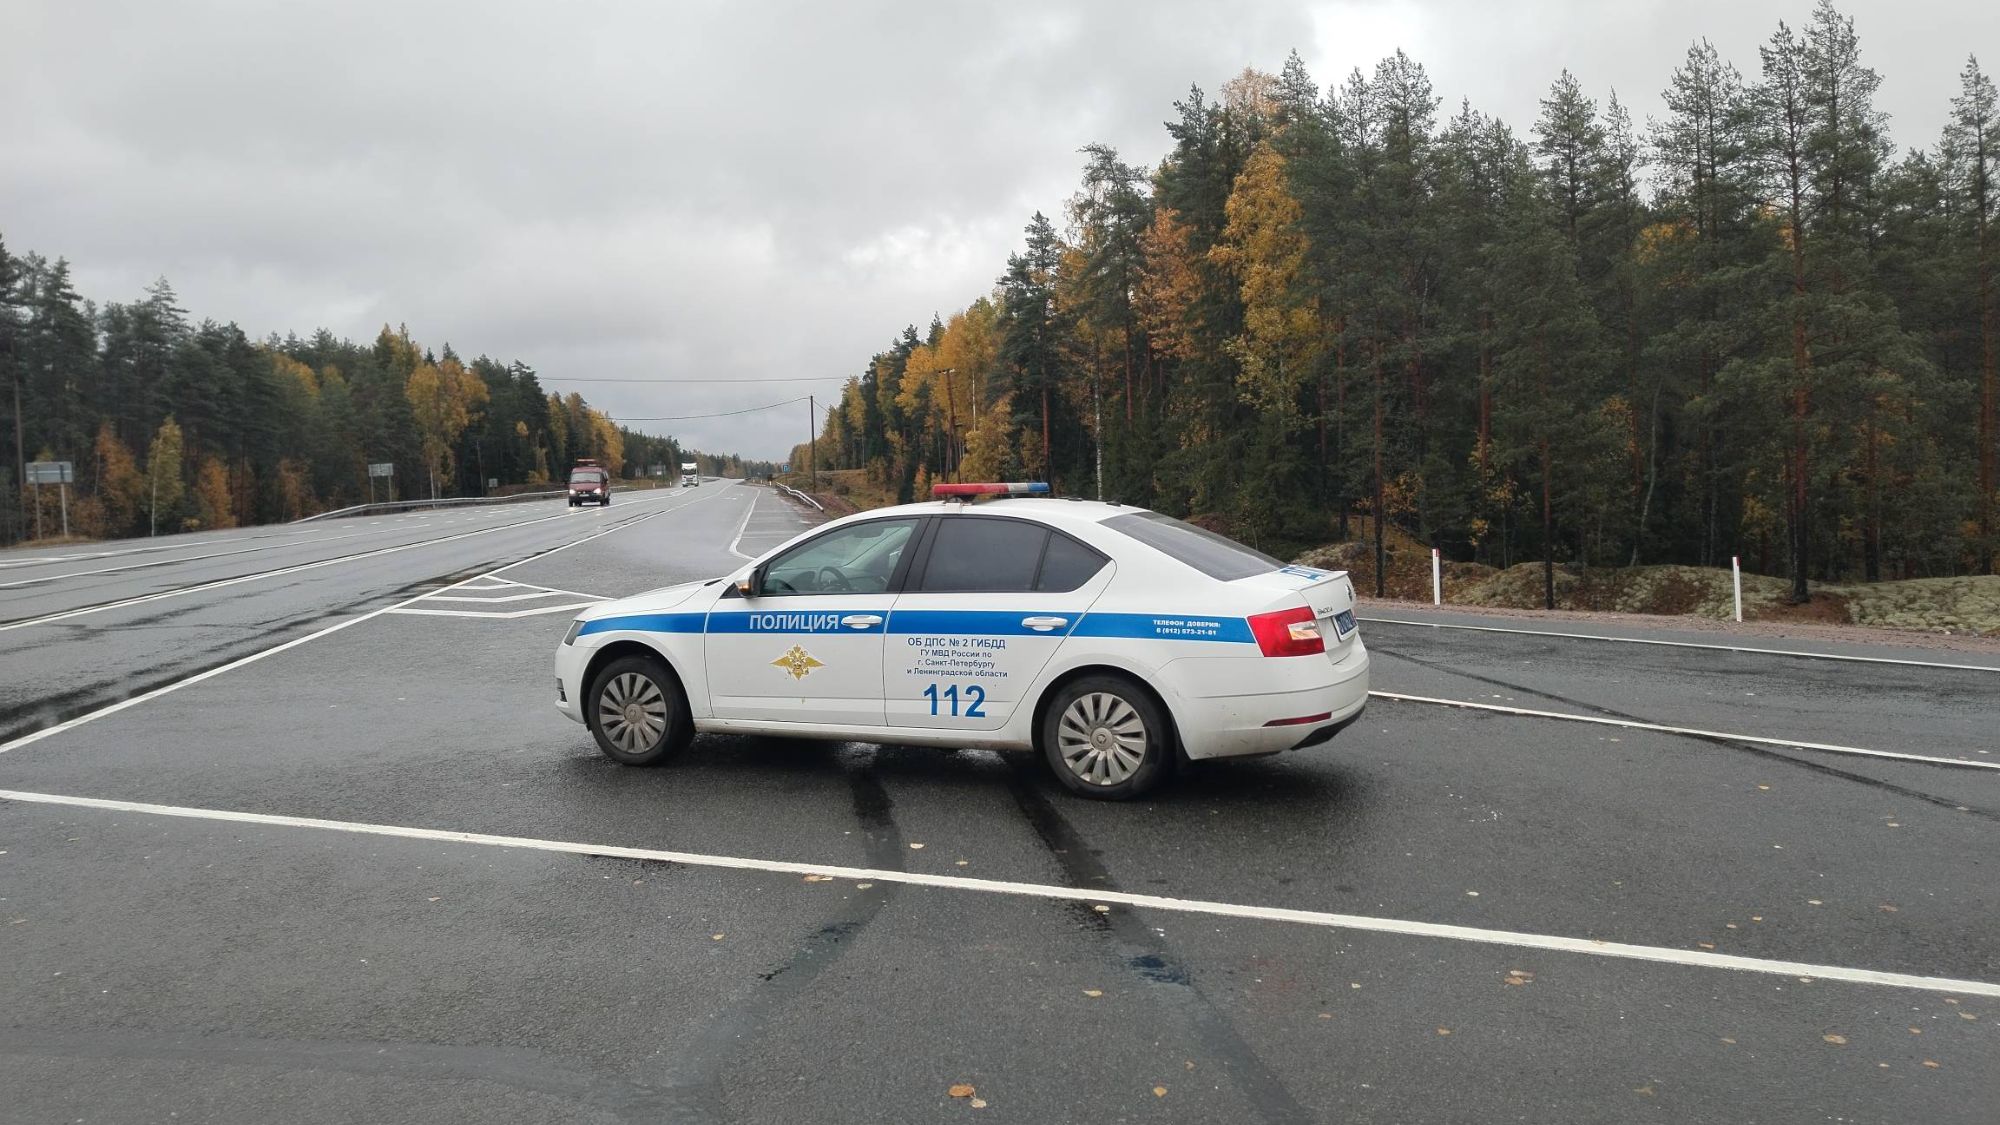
x: 1036, y: 508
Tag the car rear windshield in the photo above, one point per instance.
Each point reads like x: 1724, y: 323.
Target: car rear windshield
x: 1217, y: 556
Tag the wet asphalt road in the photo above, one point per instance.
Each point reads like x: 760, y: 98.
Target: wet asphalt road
x: 166, y: 968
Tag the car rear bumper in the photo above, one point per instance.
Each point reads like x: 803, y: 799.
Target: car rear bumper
x: 1301, y: 702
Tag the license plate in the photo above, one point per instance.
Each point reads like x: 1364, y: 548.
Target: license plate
x: 1343, y: 622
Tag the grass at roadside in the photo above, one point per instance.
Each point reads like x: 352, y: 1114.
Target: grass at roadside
x: 1938, y: 605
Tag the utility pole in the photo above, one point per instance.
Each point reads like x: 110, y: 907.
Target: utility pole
x: 812, y: 419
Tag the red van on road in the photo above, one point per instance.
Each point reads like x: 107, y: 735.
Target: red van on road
x: 589, y: 483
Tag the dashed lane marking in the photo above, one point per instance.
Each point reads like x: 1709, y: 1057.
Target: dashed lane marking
x: 1552, y: 943
x: 1633, y: 724
x: 1751, y: 649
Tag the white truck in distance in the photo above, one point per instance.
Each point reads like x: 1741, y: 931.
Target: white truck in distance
x: 690, y: 478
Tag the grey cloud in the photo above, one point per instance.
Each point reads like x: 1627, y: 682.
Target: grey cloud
x: 716, y: 190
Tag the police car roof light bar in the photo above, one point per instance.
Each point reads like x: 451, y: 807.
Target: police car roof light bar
x: 990, y: 489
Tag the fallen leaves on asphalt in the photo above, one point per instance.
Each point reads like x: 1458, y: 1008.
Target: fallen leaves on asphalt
x: 960, y: 1091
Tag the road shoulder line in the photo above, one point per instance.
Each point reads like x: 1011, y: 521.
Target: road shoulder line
x: 1750, y: 649
x: 1662, y: 728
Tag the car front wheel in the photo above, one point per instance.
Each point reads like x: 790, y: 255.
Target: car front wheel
x: 637, y: 713
x: 1106, y: 738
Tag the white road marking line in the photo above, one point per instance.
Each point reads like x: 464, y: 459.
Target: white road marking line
x: 1701, y: 959
x: 167, y: 562
x: 505, y: 597
x: 280, y: 572
x: 495, y: 616
x: 199, y: 677
x: 221, y: 583
x: 43, y: 560
x: 1629, y: 724
x: 743, y: 527
x: 1687, y: 644
x: 550, y: 589
x: 163, y: 689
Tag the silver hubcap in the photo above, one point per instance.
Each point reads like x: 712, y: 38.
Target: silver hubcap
x: 1101, y: 738
x: 632, y: 712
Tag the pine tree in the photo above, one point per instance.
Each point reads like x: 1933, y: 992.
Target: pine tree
x: 1031, y: 344
x: 1972, y: 145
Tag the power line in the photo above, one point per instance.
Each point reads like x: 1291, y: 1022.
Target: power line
x: 723, y: 414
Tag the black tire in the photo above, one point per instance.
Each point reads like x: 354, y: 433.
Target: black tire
x: 572, y: 503
x: 1094, y: 728
x: 637, y: 712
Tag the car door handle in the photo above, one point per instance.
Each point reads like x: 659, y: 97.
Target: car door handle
x: 1044, y: 624
x: 861, y: 620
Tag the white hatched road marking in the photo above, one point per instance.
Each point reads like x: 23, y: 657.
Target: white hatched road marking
x: 1751, y: 649
x: 1553, y: 943
x: 500, y: 593
x: 1633, y: 724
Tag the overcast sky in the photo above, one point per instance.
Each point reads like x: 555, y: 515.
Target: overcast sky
x: 718, y: 190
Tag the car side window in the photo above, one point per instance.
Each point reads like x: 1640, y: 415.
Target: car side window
x: 970, y: 554
x: 1067, y: 565
x: 857, y: 559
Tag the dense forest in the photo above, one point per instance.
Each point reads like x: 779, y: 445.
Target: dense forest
x: 1747, y: 327
x: 173, y: 425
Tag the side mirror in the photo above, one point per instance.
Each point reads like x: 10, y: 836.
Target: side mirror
x: 751, y: 584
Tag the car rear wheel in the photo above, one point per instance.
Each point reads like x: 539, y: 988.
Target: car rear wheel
x: 1106, y: 738
x: 637, y: 713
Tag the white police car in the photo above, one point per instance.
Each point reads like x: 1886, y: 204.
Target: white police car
x: 1111, y: 639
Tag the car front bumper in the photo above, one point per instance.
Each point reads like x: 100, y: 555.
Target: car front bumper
x: 571, y: 660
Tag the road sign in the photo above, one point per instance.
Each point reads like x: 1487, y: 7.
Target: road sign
x: 381, y: 468
x: 493, y: 482
x: 51, y: 472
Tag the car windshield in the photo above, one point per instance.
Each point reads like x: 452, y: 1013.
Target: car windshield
x: 1217, y: 556
x: 586, y: 476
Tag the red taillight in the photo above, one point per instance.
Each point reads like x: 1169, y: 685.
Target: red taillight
x: 1288, y: 632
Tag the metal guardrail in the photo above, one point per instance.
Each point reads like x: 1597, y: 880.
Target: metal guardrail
x: 796, y: 494
x: 440, y: 502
